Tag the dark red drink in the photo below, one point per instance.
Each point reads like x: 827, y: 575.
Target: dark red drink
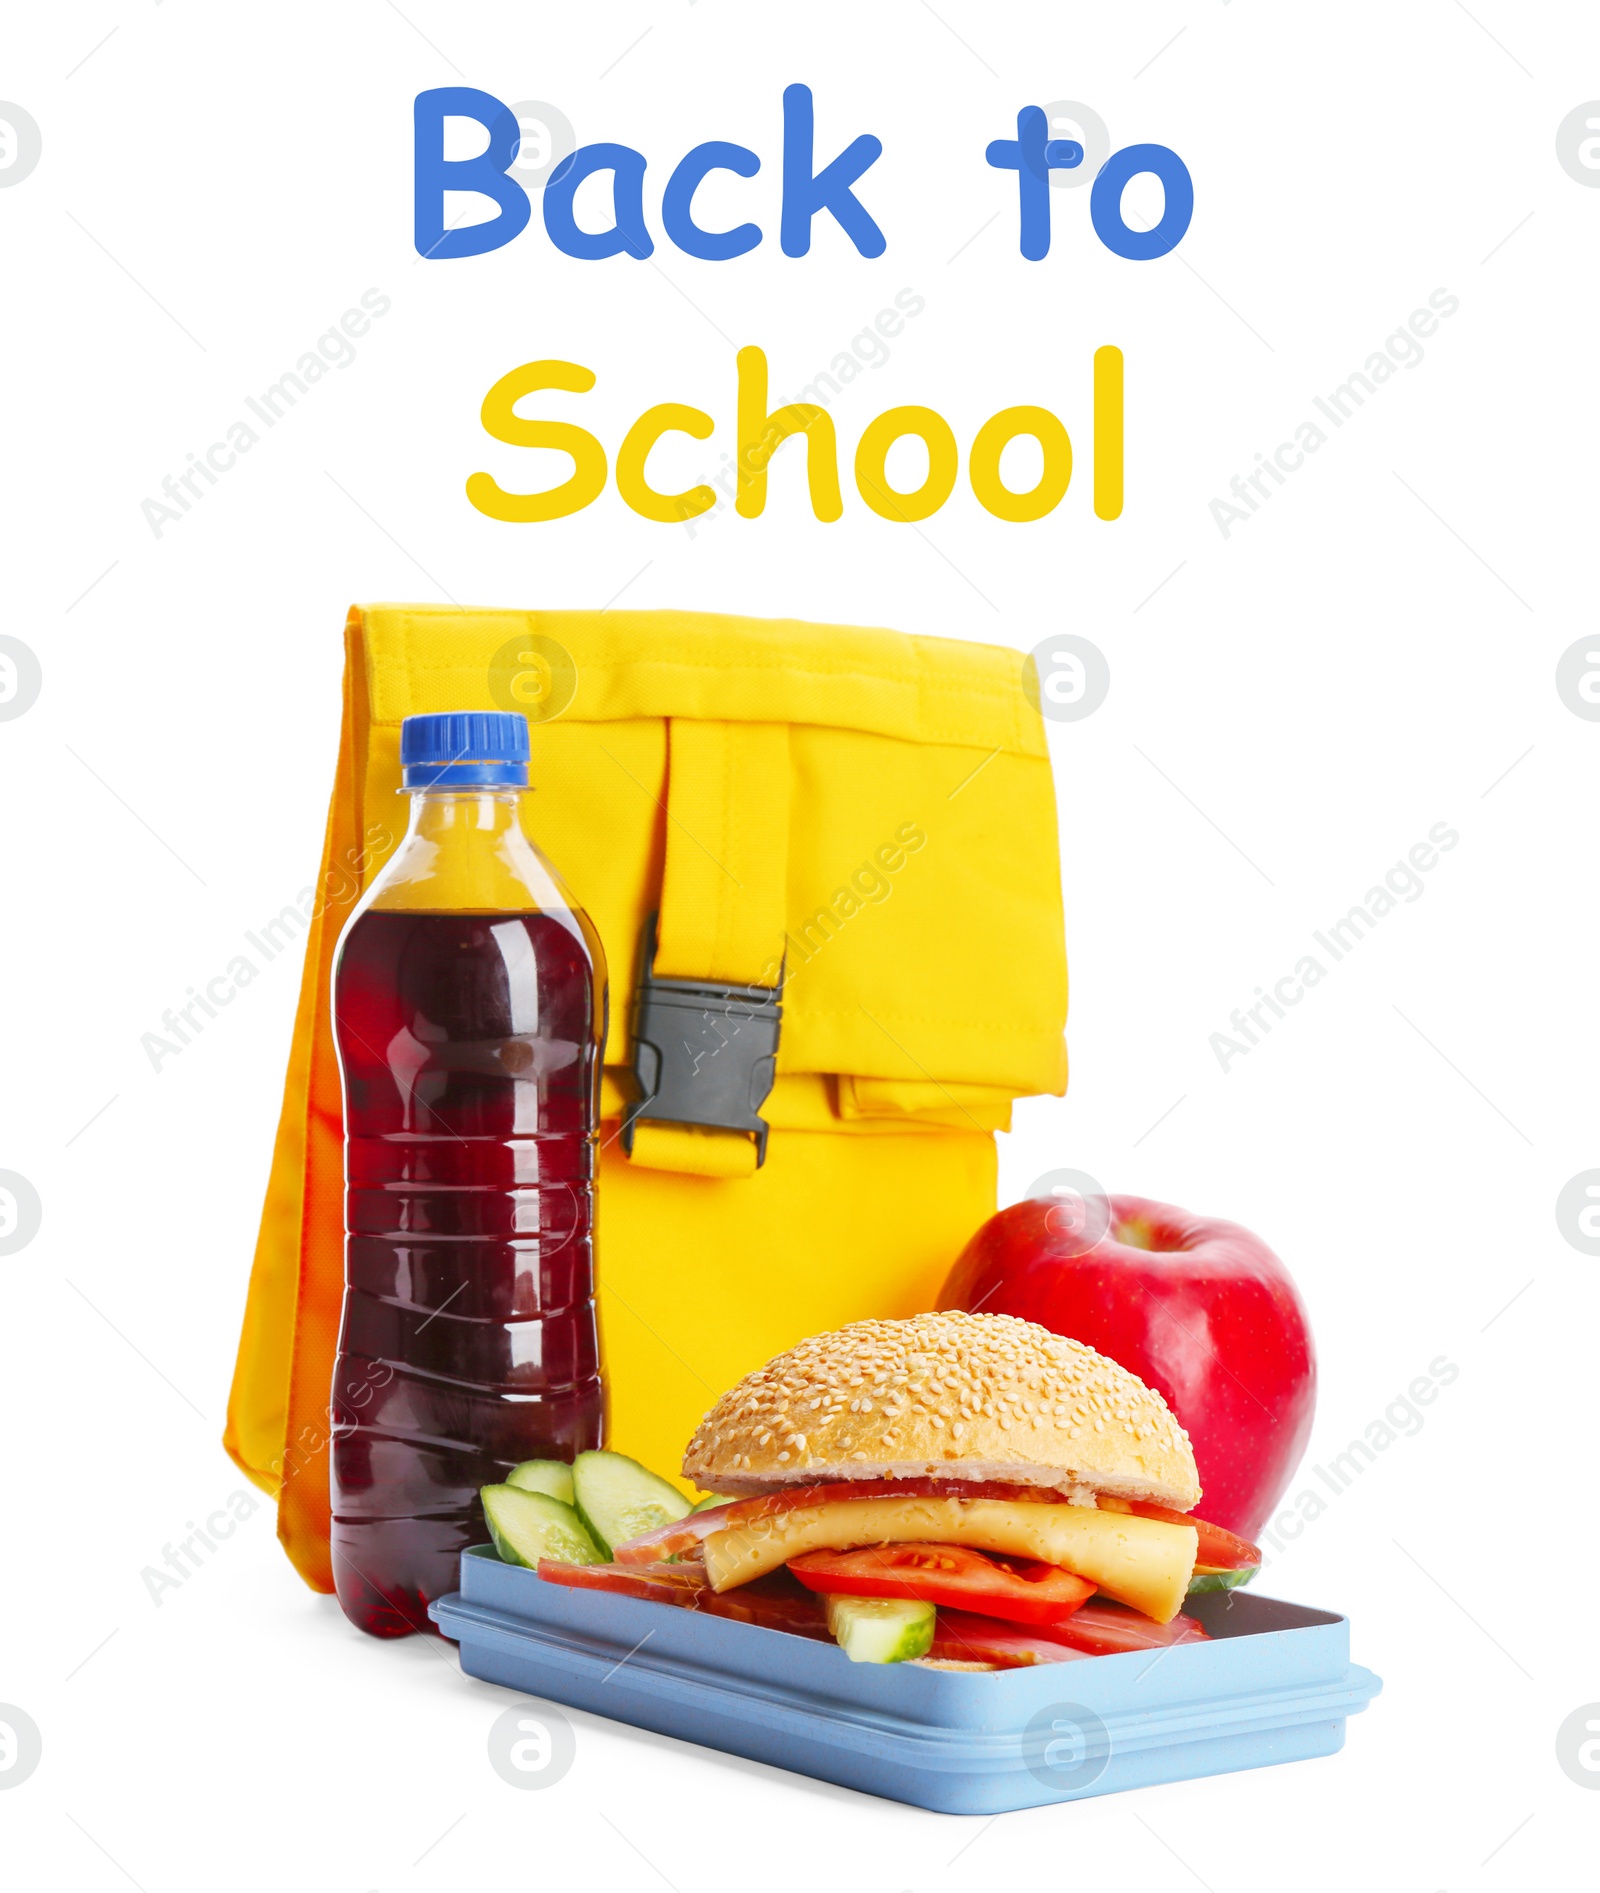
x: 470, y: 1046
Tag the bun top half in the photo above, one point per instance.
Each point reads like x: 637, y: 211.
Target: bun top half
x: 952, y: 1395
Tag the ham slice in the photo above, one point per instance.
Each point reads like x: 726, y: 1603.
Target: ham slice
x: 683, y: 1534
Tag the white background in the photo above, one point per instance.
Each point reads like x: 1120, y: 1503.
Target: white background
x: 1291, y: 709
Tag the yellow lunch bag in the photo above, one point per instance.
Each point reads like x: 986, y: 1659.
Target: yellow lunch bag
x: 863, y: 819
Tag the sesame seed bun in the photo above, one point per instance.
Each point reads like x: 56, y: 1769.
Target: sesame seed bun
x: 946, y: 1396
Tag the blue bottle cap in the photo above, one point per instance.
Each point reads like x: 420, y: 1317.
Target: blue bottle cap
x: 464, y: 749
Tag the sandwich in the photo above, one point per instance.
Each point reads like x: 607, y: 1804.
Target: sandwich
x: 964, y: 1488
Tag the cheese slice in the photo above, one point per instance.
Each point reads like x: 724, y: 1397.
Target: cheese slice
x: 1142, y: 1562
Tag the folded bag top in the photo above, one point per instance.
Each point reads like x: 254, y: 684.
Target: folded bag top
x: 833, y: 848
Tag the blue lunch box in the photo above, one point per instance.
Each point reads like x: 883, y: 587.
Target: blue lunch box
x: 1274, y: 1685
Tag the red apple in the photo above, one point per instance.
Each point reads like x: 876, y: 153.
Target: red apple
x: 1201, y: 1310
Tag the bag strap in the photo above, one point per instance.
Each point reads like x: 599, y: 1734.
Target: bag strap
x: 725, y: 885
x: 724, y: 892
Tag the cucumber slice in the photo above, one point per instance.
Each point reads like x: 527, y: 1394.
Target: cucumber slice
x: 527, y: 1526
x: 1203, y: 1581
x: 618, y: 1498
x: 881, y: 1629
x: 710, y: 1500
x: 544, y: 1475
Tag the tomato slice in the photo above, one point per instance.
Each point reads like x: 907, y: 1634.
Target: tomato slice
x: 1099, y: 1629
x: 961, y: 1637
x: 774, y: 1602
x: 657, y: 1583
x: 1106, y: 1629
x: 1016, y: 1590
x: 682, y: 1534
x: 1217, y: 1548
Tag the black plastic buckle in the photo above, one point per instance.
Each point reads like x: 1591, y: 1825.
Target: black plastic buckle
x: 703, y: 1052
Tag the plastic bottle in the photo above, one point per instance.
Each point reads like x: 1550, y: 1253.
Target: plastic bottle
x: 469, y: 1004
